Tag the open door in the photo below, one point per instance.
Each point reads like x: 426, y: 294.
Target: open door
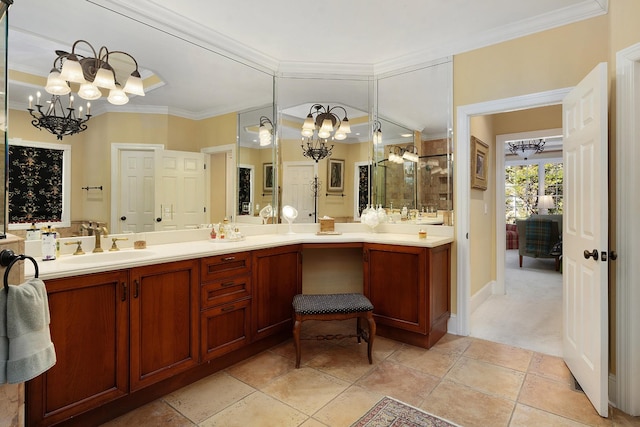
x: 585, y: 235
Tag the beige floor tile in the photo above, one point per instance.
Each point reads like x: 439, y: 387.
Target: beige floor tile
x: 346, y: 363
x: 156, y: 413
x: 526, y: 416
x: 306, y: 389
x: 550, y: 367
x: 500, y: 354
x: 453, y: 344
x: 257, y: 409
x: 487, y: 378
x: 400, y: 382
x: 204, y: 398
x: 382, y: 347
x: 313, y: 423
x: 308, y: 349
x: 620, y: 419
x: 467, y: 407
x: 261, y: 369
x: 433, y: 362
x: 559, y: 399
x: 348, y: 407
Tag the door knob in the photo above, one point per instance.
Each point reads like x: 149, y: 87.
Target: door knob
x: 158, y: 219
x: 593, y: 254
x: 123, y: 218
x: 613, y: 255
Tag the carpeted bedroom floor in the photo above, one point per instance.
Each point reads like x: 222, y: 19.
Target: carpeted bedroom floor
x: 529, y: 315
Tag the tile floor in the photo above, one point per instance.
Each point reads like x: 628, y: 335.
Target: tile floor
x: 469, y: 381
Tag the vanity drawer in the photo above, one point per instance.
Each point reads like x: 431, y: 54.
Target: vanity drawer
x: 216, y: 267
x: 224, y: 290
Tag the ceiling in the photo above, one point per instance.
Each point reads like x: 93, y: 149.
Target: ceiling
x: 218, y: 56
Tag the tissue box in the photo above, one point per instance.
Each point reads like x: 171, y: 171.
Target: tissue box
x: 327, y: 224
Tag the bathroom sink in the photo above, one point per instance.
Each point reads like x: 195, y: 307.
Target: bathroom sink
x: 107, y: 257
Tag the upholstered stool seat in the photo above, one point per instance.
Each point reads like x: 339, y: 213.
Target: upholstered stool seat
x: 334, y: 307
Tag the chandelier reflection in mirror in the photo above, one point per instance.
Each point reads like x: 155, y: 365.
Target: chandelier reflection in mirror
x: 56, y: 118
x: 91, y: 73
x: 401, y: 154
x: 526, y: 148
x: 318, y: 127
x: 377, y: 133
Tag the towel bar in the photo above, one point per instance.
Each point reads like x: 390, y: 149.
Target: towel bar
x: 8, y: 258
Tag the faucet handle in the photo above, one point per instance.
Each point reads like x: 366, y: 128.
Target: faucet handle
x: 114, y: 246
x: 79, y: 250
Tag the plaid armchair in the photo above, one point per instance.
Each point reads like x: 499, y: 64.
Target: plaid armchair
x: 531, y: 240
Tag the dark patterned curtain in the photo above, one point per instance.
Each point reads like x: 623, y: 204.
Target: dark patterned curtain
x: 35, y: 184
x: 363, y: 187
x: 244, y: 191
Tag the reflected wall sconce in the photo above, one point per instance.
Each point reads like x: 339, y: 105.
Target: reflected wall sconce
x: 377, y: 133
x: 410, y: 153
x: 265, y: 131
x: 526, y: 148
x: 318, y: 127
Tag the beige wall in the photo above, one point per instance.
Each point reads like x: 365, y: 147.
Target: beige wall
x: 91, y: 149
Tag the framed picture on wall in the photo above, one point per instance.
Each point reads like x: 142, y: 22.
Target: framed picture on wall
x: 335, y: 172
x: 479, y: 163
x: 268, y: 177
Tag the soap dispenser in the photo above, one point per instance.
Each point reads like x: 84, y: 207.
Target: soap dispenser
x: 49, y: 244
x: 33, y: 233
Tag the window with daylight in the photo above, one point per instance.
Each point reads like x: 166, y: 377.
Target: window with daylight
x: 39, y: 177
x: 524, y: 184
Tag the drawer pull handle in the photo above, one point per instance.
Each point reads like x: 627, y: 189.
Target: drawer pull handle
x: 227, y: 284
x: 228, y: 258
x: 229, y: 308
x: 124, y: 291
x: 136, y: 291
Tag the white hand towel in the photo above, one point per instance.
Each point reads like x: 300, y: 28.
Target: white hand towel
x: 31, y: 351
x: 4, y: 340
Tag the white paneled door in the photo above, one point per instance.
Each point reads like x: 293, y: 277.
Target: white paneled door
x: 179, y: 190
x: 585, y: 236
x: 137, y: 191
x: 297, y: 183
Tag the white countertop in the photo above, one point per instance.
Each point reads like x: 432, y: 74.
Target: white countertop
x: 190, y: 244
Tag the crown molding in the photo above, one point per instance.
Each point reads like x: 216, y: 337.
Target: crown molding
x: 149, y: 13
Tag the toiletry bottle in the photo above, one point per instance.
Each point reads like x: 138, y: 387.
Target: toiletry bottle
x: 48, y: 245
x: 33, y: 233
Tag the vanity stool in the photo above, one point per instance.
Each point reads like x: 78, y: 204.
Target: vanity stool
x: 334, y: 307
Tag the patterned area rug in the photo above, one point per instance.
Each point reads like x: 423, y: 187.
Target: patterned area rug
x: 393, y: 413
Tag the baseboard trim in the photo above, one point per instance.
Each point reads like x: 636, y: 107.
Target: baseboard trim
x: 452, y: 325
x: 613, y: 390
x: 482, y: 295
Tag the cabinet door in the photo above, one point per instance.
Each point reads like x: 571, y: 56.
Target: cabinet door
x: 89, y: 330
x: 395, y: 283
x: 164, y: 321
x: 277, y: 278
x: 225, y: 328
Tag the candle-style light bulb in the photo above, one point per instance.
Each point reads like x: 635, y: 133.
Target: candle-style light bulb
x: 88, y: 108
x: 38, y: 98
x: 30, y: 101
x: 80, y: 112
x: 71, y: 101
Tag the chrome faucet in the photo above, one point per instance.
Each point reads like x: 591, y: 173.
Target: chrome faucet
x: 98, y: 232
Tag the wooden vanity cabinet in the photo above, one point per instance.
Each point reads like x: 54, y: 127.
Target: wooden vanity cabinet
x: 90, y: 331
x: 277, y: 278
x: 225, y: 302
x: 163, y: 321
x: 409, y: 287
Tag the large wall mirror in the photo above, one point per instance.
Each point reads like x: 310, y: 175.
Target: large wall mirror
x: 199, y: 101
x: 333, y: 186
x: 413, y: 159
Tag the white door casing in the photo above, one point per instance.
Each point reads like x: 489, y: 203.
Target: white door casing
x: 585, y: 229
x: 297, y: 178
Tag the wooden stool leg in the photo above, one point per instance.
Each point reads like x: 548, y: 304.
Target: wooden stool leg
x: 372, y: 335
x: 296, y: 340
x: 359, y: 329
